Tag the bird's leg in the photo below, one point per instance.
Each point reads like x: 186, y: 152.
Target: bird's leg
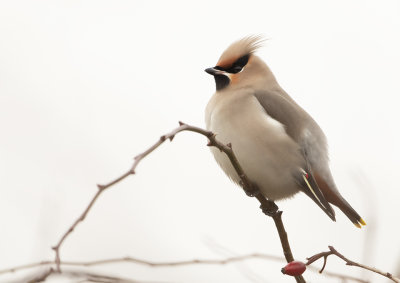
x: 268, y: 207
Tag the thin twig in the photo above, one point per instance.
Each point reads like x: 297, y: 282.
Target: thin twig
x: 81, y: 218
x: 102, y: 188
x: 268, y: 207
x: 333, y: 251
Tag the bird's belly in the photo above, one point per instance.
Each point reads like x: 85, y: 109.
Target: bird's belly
x: 268, y: 156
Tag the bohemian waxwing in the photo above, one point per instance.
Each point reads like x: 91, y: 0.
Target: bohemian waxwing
x: 280, y: 147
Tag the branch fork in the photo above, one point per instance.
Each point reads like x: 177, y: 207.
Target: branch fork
x: 333, y: 251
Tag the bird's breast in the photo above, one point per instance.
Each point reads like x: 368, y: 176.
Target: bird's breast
x: 267, y: 154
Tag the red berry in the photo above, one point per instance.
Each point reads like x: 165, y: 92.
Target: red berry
x: 294, y: 268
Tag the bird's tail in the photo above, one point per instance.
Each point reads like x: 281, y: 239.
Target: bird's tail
x: 336, y: 199
x: 346, y: 208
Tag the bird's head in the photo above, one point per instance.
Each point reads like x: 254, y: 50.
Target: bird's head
x: 238, y: 66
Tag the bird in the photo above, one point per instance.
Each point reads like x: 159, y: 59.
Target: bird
x: 280, y: 147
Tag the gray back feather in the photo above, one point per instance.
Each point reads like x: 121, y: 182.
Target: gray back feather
x: 298, y: 125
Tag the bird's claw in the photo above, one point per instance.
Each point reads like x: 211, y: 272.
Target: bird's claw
x: 269, y: 208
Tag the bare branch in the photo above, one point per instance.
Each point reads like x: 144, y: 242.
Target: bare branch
x: 102, y: 188
x: 268, y: 207
x: 333, y: 251
x: 145, y: 262
x: 154, y: 264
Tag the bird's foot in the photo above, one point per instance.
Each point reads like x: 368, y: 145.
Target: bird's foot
x: 269, y: 208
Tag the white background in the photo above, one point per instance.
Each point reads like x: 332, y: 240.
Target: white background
x: 87, y: 85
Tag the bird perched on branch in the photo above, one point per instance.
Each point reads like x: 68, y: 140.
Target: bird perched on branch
x: 280, y: 147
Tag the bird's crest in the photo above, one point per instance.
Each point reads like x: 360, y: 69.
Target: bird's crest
x: 242, y: 47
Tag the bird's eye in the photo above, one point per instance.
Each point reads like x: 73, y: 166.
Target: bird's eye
x: 235, y: 69
x: 239, y: 64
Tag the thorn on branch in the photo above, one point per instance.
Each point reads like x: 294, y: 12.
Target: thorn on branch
x: 323, y: 266
x: 229, y: 145
x: 181, y: 123
x: 211, y: 135
x: 163, y: 138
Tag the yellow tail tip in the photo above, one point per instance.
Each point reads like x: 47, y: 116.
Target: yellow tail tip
x: 357, y: 225
x: 362, y: 222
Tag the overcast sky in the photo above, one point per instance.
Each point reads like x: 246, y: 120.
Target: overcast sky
x: 87, y: 85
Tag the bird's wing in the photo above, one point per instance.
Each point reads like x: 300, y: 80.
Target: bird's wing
x: 285, y: 110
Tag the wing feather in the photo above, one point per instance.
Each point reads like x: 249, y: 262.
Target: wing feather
x: 306, y: 133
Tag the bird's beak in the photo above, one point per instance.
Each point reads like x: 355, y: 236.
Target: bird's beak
x: 214, y: 72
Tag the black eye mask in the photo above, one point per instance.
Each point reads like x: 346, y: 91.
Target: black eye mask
x: 237, y: 66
